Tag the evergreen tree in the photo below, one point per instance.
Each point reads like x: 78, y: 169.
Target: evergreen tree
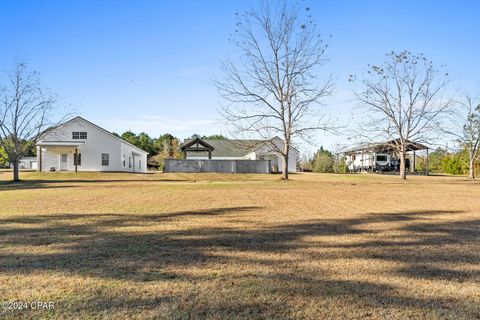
x: 323, y: 161
x: 131, y: 137
x: 146, y: 143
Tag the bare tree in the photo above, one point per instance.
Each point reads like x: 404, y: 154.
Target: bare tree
x: 339, y: 158
x: 25, y: 107
x: 405, y: 98
x: 466, y: 129
x: 273, y: 87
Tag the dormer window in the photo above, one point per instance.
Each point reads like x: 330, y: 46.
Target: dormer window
x: 79, y: 135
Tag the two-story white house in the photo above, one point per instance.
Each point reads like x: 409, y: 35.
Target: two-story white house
x: 80, y: 145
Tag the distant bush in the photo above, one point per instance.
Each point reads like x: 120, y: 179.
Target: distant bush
x: 455, y: 163
x: 442, y: 161
x: 324, y: 161
x: 3, y: 159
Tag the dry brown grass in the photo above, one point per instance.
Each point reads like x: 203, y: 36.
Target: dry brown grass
x: 178, y: 246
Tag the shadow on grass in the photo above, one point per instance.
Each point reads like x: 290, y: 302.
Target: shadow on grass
x: 60, y: 183
x: 13, y: 186
x: 95, y: 247
x: 45, y: 181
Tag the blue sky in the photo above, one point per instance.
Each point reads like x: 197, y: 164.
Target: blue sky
x: 147, y: 65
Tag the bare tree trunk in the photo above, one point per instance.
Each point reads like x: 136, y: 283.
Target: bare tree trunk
x: 16, y: 177
x: 403, y: 169
x: 285, y: 167
x: 286, y: 153
x: 471, y: 170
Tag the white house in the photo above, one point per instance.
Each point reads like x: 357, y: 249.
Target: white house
x: 80, y: 145
x: 227, y: 149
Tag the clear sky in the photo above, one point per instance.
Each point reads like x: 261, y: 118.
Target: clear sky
x: 147, y: 65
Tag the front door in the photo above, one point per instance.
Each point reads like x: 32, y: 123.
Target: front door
x: 64, y: 162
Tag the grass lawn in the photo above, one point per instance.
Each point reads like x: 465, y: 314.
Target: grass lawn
x: 185, y: 246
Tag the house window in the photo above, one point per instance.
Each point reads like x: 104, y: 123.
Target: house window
x: 129, y: 162
x: 105, y: 159
x: 77, y: 159
x: 76, y: 135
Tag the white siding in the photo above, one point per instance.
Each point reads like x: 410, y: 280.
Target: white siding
x: 27, y: 163
x: 50, y: 160
x: 292, y: 161
x: 98, y: 141
x: 292, y: 156
x: 133, y: 163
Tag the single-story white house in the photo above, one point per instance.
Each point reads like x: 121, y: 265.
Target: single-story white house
x: 27, y: 163
x: 80, y: 145
x: 228, y: 149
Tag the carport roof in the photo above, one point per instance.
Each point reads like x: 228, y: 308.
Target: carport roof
x: 388, y: 146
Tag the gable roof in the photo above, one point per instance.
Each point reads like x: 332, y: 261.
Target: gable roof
x: 187, y: 145
x: 98, y: 127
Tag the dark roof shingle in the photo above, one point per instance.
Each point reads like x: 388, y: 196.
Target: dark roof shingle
x: 231, y: 148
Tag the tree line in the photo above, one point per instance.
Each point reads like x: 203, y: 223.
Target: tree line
x: 440, y: 161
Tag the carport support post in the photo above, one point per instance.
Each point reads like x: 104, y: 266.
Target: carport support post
x: 75, y: 159
x: 40, y: 157
x: 414, y: 168
x: 361, y: 168
x: 209, y: 154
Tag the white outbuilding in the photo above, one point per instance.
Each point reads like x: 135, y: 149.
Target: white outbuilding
x: 26, y: 163
x: 80, y: 145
